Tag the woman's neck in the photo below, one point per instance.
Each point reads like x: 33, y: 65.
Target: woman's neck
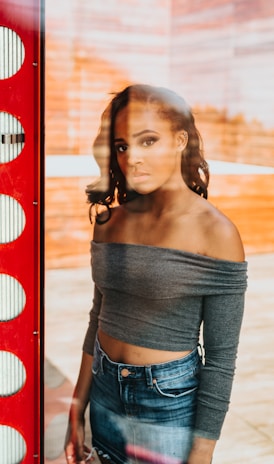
x: 162, y: 201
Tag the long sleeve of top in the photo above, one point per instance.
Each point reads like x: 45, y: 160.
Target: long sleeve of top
x: 160, y: 298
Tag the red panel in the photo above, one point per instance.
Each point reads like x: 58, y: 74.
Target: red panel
x: 21, y: 95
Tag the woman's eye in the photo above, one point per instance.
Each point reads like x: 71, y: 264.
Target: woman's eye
x: 121, y: 148
x: 149, y: 141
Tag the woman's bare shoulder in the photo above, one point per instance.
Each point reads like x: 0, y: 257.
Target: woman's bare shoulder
x: 223, y: 240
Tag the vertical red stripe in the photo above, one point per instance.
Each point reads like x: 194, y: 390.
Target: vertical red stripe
x: 22, y: 96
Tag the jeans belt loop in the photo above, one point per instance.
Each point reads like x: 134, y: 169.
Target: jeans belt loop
x: 102, y: 356
x: 149, y: 378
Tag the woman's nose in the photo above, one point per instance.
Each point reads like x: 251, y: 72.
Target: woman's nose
x: 134, y: 156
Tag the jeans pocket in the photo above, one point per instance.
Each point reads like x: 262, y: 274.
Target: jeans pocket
x: 176, y: 387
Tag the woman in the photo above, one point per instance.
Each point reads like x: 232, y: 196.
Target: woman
x: 165, y: 263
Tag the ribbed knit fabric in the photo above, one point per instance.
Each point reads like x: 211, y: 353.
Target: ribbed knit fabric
x: 158, y: 298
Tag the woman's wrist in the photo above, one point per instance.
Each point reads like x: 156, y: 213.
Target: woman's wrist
x: 77, y: 410
x: 202, y: 451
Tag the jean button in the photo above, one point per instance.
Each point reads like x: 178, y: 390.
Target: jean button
x: 125, y: 372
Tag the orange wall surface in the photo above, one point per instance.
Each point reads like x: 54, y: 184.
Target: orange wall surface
x: 217, y: 54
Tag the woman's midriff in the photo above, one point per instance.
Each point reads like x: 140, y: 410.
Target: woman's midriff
x: 126, y: 353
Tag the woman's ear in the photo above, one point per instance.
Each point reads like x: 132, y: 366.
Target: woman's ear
x: 182, y: 139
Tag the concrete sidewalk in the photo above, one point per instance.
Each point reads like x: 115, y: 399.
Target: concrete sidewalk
x: 248, y: 433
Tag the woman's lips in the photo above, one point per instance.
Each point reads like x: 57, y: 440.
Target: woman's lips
x: 140, y: 176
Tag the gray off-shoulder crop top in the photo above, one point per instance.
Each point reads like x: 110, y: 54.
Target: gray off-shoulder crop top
x: 159, y: 298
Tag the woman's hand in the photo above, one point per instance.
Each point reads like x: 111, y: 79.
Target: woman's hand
x: 75, y: 449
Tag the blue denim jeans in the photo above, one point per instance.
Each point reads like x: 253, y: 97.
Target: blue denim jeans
x: 143, y: 414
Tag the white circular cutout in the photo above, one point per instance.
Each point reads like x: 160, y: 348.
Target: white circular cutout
x: 12, y: 219
x: 12, y: 446
x: 12, y: 298
x: 13, y: 374
x: 12, y: 137
x: 12, y: 52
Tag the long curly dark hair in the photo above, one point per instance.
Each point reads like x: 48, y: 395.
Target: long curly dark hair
x: 169, y: 106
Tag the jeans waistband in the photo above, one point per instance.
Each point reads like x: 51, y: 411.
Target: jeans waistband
x: 122, y: 371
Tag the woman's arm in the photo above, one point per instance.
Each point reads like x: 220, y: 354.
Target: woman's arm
x: 222, y: 317
x: 75, y: 437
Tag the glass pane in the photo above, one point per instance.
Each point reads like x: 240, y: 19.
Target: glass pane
x: 12, y: 219
x: 13, y: 374
x: 219, y: 58
x: 12, y: 298
x: 12, y: 137
x: 12, y: 52
x: 12, y: 446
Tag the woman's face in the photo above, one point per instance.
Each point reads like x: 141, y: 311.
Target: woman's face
x: 148, y: 151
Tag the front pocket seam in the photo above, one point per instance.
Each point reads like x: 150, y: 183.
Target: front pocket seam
x: 172, y: 395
